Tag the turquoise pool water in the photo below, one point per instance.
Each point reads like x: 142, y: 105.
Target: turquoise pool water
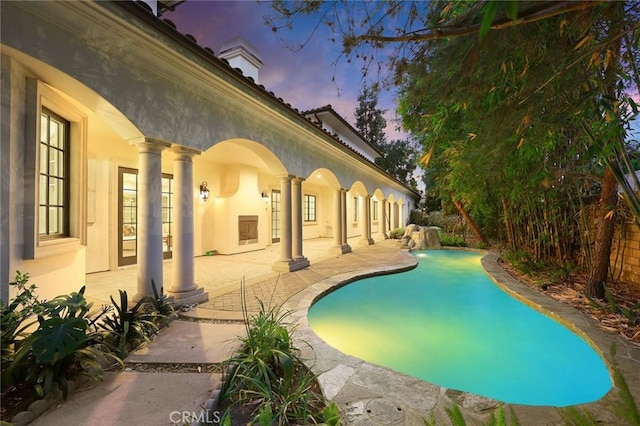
x: 447, y: 323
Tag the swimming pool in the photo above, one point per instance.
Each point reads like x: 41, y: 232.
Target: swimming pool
x: 447, y: 323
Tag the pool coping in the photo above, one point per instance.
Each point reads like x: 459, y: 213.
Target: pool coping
x: 369, y: 394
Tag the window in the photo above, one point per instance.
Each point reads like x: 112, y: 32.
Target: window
x: 375, y: 210
x: 53, y: 186
x: 55, y: 173
x: 309, y: 208
x: 355, y: 209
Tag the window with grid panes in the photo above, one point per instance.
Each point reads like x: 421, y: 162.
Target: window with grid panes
x: 53, y: 186
x: 309, y: 208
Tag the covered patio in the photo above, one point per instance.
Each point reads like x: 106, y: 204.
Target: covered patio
x: 219, y: 276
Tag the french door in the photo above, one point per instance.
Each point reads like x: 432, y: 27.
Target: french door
x: 128, y: 216
x: 275, y: 216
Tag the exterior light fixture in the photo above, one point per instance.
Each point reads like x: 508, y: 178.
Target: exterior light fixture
x: 204, y: 191
x: 265, y: 196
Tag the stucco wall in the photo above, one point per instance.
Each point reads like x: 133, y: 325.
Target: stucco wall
x: 56, y: 270
x: 625, y: 254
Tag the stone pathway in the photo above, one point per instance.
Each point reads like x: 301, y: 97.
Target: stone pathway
x: 151, y: 391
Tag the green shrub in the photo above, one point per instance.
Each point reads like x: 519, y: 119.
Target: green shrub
x: 269, y: 375
x: 396, y: 234
x: 17, y: 316
x: 523, y: 261
x: 451, y: 240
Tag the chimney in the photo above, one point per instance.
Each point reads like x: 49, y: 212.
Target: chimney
x: 158, y: 7
x: 240, y: 54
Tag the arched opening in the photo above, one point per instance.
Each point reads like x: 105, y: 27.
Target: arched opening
x: 243, y: 210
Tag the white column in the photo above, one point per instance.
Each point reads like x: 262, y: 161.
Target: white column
x: 286, y: 262
x: 343, y: 209
x: 383, y: 219
x: 367, y: 204
x: 183, y: 288
x: 149, y: 221
x: 392, y: 215
x: 339, y: 224
x: 296, y: 203
x: 365, y: 223
x: 337, y: 219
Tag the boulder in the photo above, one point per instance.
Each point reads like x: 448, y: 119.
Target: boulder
x: 420, y: 238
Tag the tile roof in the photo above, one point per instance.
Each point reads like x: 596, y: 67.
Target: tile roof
x: 143, y: 10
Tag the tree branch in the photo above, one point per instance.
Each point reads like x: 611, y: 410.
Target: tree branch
x: 531, y: 15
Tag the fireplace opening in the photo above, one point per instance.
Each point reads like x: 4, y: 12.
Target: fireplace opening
x: 247, y: 230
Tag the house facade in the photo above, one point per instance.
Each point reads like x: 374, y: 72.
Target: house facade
x: 125, y: 143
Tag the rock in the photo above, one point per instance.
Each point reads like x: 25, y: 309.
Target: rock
x: 23, y: 418
x: 40, y: 406
x: 420, y: 238
x: 432, y: 238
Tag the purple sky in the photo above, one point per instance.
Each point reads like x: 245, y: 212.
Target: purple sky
x: 302, y: 79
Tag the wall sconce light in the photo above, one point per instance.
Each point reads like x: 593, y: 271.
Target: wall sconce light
x: 204, y: 191
x: 265, y: 196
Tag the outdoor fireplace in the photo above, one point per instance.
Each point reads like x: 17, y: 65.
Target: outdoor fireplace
x: 247, y: 230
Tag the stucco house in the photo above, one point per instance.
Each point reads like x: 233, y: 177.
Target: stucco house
x: 124, y: 142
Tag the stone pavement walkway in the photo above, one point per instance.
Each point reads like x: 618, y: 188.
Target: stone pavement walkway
x: 366, y: 394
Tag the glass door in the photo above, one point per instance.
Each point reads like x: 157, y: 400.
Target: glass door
x: 275, y: 216
x: 128, y: 216
x: 167, y: 216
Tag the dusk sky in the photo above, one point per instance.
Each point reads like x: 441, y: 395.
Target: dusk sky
x: 303, y: 78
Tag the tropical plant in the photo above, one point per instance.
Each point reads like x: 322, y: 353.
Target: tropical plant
x: 160, y: 305
x: 65, y: 343
x: 128, y: 327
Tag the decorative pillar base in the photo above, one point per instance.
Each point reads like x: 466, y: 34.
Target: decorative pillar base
x: 189, y: 297
x: 342, y: 249
x: 365, y: 242
x: 291, y: 265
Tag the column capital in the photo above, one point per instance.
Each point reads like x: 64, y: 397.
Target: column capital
x: 149, y: 144
x: 184, y: 151
x: 298, y: 179
x: 286, y: 176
